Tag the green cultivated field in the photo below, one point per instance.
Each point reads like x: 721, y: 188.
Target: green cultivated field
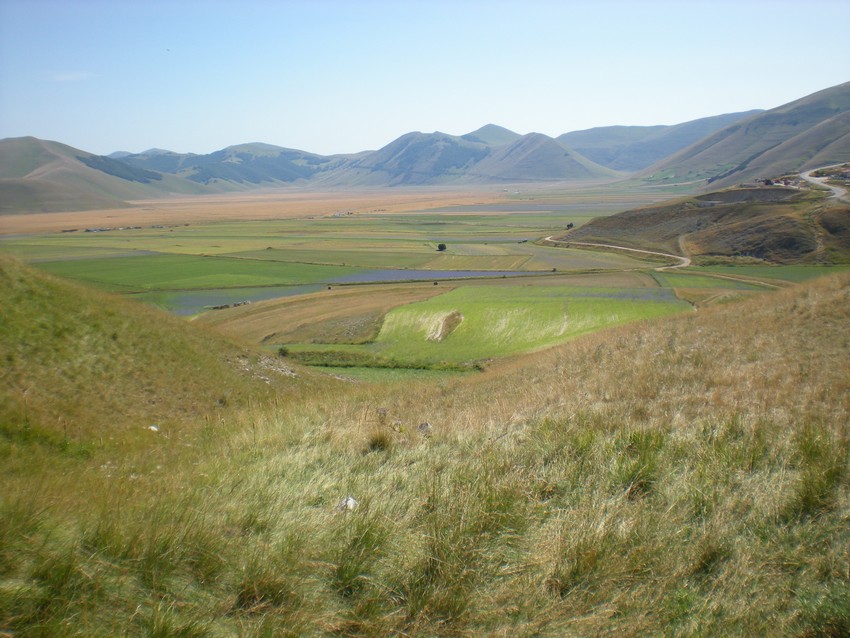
x: 690, y: 280
x: 189, y: 268
x: 198, y: 260
x: 785, y: 273
x: 501, y: 321
x: 473, y: 323
x: 677, y: 476
x: 190, y: 272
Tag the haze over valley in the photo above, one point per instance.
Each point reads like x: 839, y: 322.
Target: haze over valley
x: 582, y: 370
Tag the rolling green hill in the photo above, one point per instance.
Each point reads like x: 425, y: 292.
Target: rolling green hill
x: 537, y: 157
x: 435, y: 158
x: 43, y: 176
x: 244, y: 164
x: 806, y: 133
x: 417, y: 158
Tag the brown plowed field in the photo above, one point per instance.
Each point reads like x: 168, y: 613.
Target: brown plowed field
x: 278, y: 205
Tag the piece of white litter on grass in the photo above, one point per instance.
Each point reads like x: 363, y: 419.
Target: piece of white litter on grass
x: 347, y: 504
x: 153, y: 428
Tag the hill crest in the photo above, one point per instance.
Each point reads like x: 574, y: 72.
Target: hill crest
x: 79, y: 356
x: 37, y: 175
x: 806, y: 133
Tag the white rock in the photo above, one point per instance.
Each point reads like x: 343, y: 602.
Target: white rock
x: 347, y: 504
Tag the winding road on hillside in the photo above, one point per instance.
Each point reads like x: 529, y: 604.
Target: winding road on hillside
x: 683, y: 261
x: 837, y: 191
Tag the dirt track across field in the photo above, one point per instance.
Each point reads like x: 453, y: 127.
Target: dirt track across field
x: 684, y: 262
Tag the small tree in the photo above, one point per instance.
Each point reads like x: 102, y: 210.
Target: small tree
x: 441, y: 247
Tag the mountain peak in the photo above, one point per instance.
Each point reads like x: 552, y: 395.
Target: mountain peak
x: 492, y: 135
x: 256, y: 148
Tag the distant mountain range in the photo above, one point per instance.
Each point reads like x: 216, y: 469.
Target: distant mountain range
x: 38, y: 175
x: 810, y: 132
x: 632, y: 148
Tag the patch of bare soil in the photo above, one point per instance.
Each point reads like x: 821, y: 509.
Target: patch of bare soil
x: 449, y: 324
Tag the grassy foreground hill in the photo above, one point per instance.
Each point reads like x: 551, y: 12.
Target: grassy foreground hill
x: 683, y: 477
x: 79, y: 365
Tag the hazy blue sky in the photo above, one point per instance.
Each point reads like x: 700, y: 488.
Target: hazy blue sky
x: 337, y: 77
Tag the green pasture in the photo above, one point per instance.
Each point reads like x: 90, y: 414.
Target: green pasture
x: 448, y: 261
x: 385, y: 254
x: 508, y: 320
x: 794, y: 273
x: 494, y: 321
x: 357, y: 233
x: 190, y: 272
x: 297, y: 252
x: 689, y: 280
x: 459, y: 255
x: 186, y: 268
x: 44, y: 250
x: 546, y: 258
x: 476, y: 217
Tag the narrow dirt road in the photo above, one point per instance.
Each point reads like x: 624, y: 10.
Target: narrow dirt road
x: 683, y: 261
x: 837, y: 191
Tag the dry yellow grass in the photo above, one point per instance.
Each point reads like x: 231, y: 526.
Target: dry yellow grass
x: 684, y: 477
x: 294, y: 203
